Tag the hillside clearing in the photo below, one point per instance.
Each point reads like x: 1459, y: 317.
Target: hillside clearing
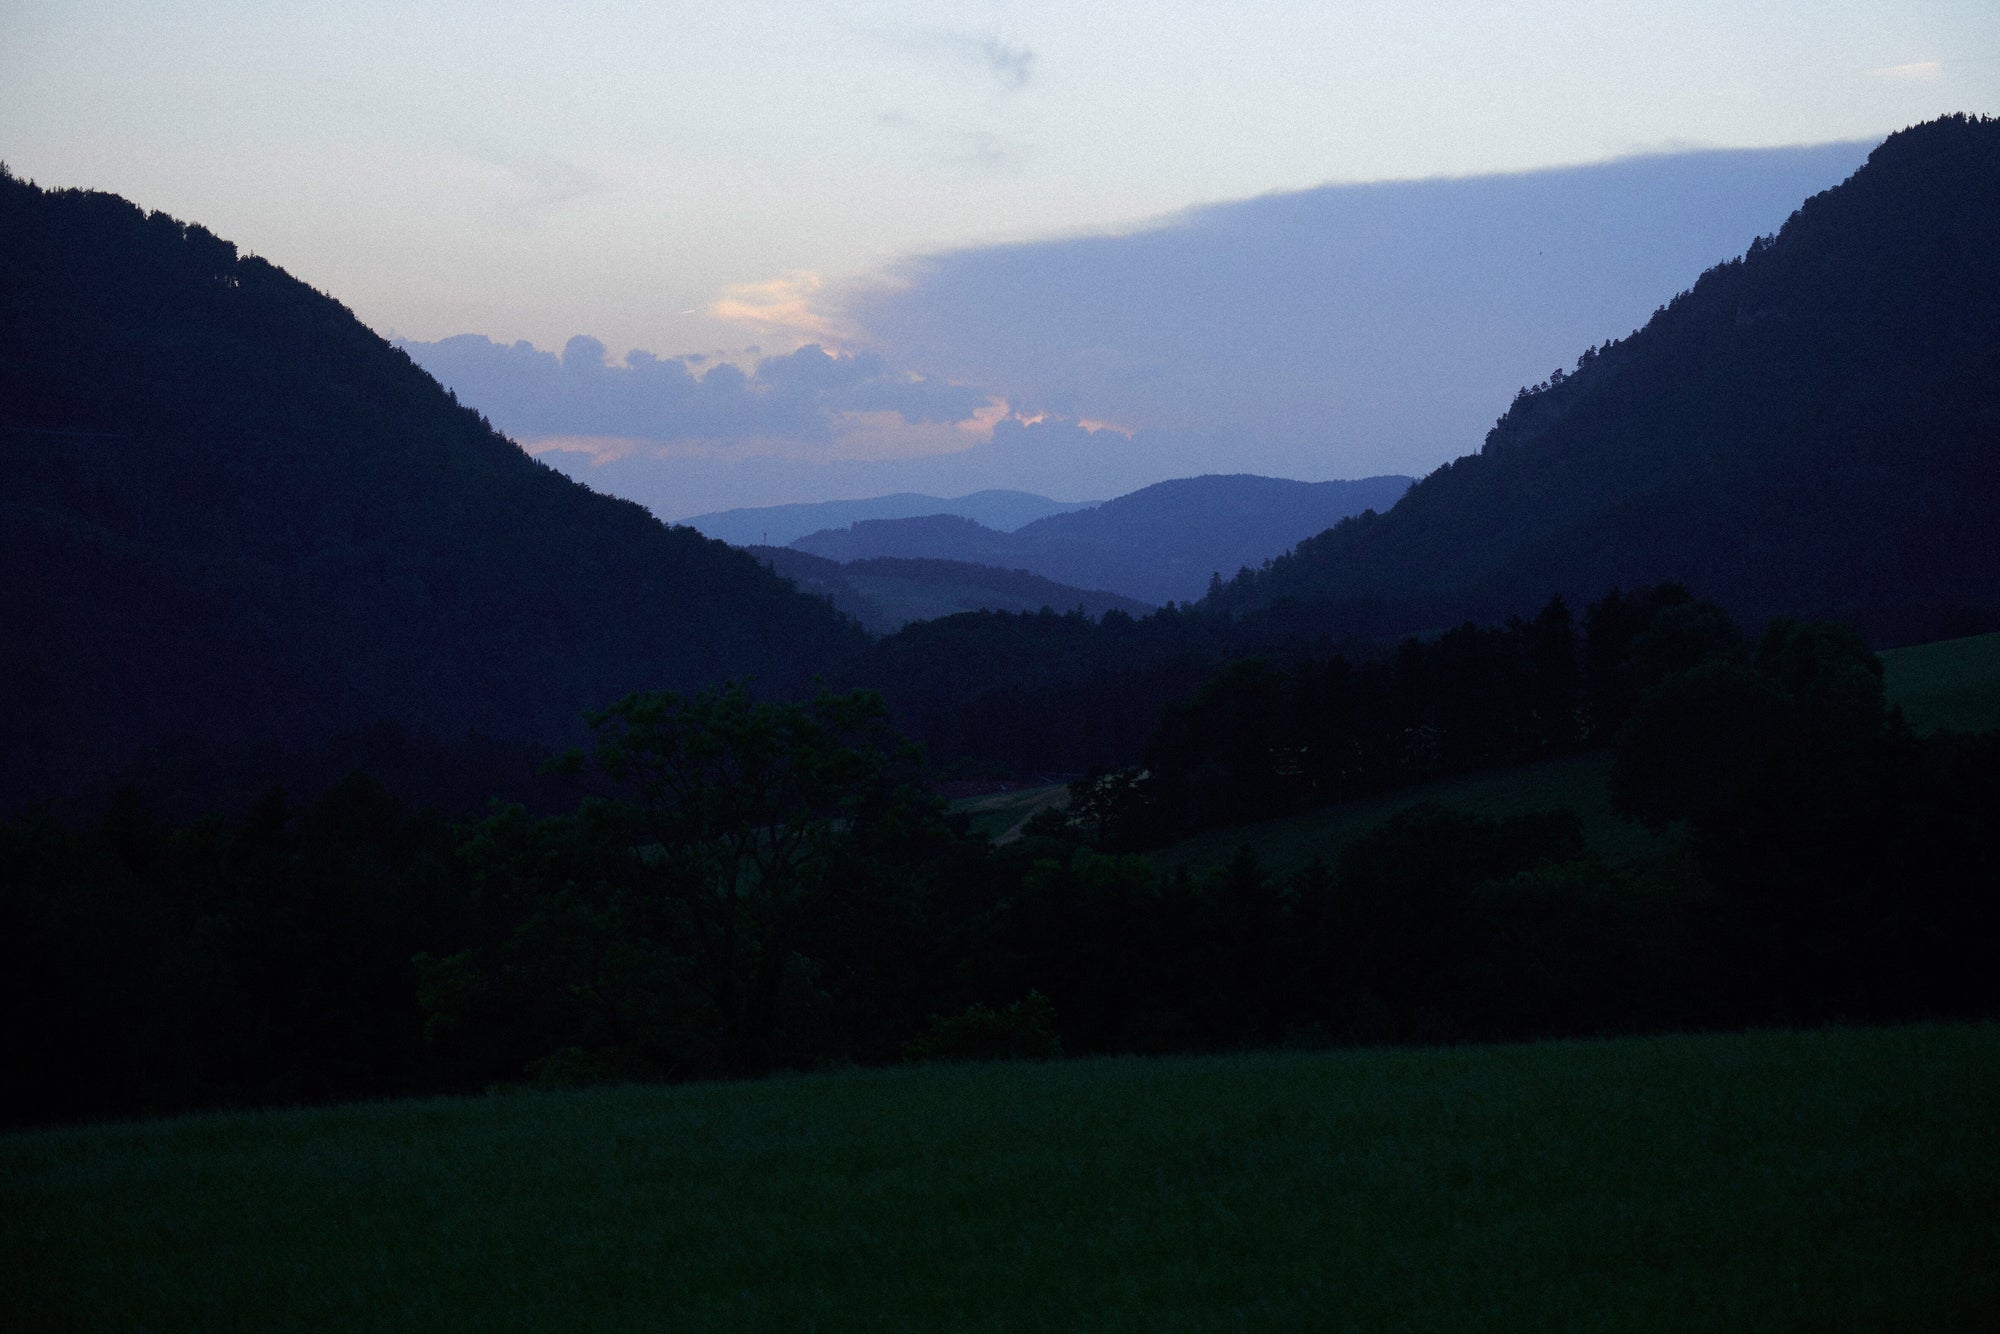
x: 1580, y: 783
x: 1954, y: 684
x: 1003, y: 816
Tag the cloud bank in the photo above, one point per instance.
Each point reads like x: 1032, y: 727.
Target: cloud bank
x: 1344, y: 330
x: 1340, y: 332
x: 804, y: 397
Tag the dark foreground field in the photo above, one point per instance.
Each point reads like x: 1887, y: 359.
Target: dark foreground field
x: 1827, y: 1180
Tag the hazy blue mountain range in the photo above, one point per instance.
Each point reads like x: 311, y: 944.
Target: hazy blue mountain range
x: 1813, y: 428
x: 780, y: 525
x: 885, y: 593
x: 229, y: 509
x: 1158, y: 544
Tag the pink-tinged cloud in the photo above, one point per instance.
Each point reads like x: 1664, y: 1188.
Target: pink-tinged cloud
x: 1920, y: 70
x: 1329, y: 333
x: 806, y: 403
x: 779, y: 307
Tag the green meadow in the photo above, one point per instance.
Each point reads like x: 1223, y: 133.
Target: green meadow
x: 1826, y: 1180
x: 1831, y: 1180
x: 1580, y: 782
x: 1954, y: 684
x: 1001, y: 816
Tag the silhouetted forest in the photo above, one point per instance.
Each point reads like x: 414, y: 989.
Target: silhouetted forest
x: 281, y: 618
x: 734, y: 885
x: 1810, y: 430
x: 228, y: 510
x: 235, y: 515
x: 885, y: 593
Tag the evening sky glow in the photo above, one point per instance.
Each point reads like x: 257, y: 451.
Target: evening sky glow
x: 713, y: 179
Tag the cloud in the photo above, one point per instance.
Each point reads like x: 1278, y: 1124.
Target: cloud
x: 1010, y: 66
x: 777, y: 305
x: 1339, y: 331
x: 531, y: 187
x: 987, y: 152
x: 1919, y: 70
x: 1330, y: 333
x: 802, y: 403
x: 1051, y: 456
x: 978, y: 149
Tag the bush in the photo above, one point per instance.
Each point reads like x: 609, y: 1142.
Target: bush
x: 1023, y: 1031
x: 591, y: 1067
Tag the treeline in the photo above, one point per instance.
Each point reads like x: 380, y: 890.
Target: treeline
x: 740, y: 885
x: 152, y: 968
x: 1263, y: 738
x: 1041, y: 692
x: 1005, y: 693
x: 1836, y: 866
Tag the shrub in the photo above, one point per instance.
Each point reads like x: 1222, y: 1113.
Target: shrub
x: 1023, y: 1031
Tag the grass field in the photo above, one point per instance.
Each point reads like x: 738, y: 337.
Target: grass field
x: 1954, y: 684
x: 1580, y: 783
x: 1001, y: 816
x: 1836, y: 1180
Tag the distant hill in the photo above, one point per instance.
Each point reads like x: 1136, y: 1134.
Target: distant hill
x: 1813, y: 429
x: 886, y: 593
x: 779, y: 525
x: 1162, y: 543
x: 228, y: 509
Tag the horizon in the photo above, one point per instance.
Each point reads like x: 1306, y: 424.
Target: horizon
x: 982, y: 218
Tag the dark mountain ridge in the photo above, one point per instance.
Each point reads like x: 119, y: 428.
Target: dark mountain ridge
x: 1159, y: 544
x: 228, y: 509
x: 1813, y: 428
x: 778, y: 525
x: 885, y: 593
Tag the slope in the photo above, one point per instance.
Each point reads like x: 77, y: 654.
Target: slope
x: 1158, y: 544
x: 777, y: 525
x: 1813, y: 428
x: 229, y: 509
x: 885, y: 593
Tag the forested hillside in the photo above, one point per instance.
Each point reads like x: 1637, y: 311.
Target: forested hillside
x: 776, y: 525
x: 1813, y: 429
x: 1162, y: 543
x: 888, y: 592
x: 228, y: 509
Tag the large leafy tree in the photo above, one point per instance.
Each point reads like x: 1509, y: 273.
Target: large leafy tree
x: 688, y: 915
x: 1719, y: 713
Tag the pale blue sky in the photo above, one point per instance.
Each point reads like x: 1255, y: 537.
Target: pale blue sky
x: 689, y: 178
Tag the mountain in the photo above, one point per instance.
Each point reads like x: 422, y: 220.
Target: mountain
x: 1158, y: 544
x: 886, y: 593
x: 1813, y: 428
x: 228, y: 509
x: 780, y: 525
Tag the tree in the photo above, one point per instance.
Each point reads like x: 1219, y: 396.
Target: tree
x: 682, y: 916
x: 1700, y: 736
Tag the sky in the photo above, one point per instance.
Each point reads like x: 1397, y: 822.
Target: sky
x: 1123, y: 241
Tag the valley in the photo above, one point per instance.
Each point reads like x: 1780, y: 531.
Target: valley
x: 1555, y: 891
